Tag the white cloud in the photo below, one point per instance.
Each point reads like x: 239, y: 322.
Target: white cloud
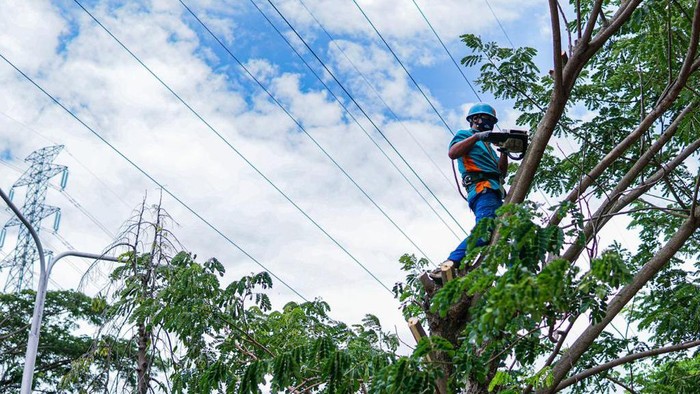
x: 29, y: 25
x: 123, y: 102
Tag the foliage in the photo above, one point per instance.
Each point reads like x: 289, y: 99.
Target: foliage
x: 674, y: 376
x: 233, y: 341
x: 65, y: 311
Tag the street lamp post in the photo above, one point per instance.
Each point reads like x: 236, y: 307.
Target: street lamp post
x: 33, y: 341
x: 45, y: 271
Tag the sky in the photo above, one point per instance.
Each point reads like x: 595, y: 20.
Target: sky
x: 303, y: 190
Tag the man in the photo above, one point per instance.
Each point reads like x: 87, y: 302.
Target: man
x: 482, y: 170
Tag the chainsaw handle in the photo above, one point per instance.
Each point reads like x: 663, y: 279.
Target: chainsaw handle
x: 516, y: 156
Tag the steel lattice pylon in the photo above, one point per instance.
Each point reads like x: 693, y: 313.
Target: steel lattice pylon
x: 20, y: 262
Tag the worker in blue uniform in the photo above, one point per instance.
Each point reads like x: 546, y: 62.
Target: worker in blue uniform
x: 482, y: 169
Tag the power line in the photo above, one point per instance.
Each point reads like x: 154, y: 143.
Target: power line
x: 447, y: 50
x: 67, y: 151
x: 147, y: 175
x: 72, y: 200
x: 379, y: 96
x: 499, y: 23
x: 404, y: 68
x: 351, y: 115
x: 87, y: 214
x: 65, y: 243
x: 272, y: 97
x: 230, y: 145
x: 366, y: 115
x: 347, y: 175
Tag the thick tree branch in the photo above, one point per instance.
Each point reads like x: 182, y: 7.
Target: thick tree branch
x: 556, y: 44
x: 633, y: 137
x: 578, y: 19
x: 590, y: 24
x: 623, y: 360
x: 643, y: 276
x: 627, y: 180
x: 581, y: 55
x: 603, y: 218
x: 621, y: 16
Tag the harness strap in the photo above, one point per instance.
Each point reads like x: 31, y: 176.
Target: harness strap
x: 474, y: 177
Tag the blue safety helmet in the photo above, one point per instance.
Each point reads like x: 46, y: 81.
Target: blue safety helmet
x: 481, y: 108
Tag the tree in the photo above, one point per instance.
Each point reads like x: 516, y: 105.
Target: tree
x: 633, y: 67
x: 60, y: 346
x: 234, y: 342
x: 127, y: 331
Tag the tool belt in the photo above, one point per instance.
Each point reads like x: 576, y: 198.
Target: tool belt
x: 471, y: 178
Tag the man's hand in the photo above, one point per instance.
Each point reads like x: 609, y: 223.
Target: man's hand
x: 482, y: 135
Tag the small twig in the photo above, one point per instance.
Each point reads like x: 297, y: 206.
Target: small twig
x: 510, y: 346
x: 295, y: 389
x: 566, y: 22
x: 363, y: 388
x: 603, y: 19
x: 695, y: 194
x: 247, y: 335
x: 683, y: 11
x: 670, y: 211
x: 246, y: 352
x: 597, y: 184
x: 555, y: 352
x: 396, y: 330
x: 619, y: 383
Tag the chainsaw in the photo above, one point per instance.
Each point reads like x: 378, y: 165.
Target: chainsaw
x: 513, y: 142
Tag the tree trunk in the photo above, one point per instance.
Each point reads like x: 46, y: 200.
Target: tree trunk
x: 142, y: 369
x: 450, y: 328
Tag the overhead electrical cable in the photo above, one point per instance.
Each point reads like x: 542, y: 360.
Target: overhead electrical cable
x: 499, y: 23
x: 151, y: 178
x: 104, y: 185
x: 367, y: 116
x: 404, y: 68
x: 72, y: 200
x: 347, y: 110
x: 243, y: 157
x: 87, y: 214
x: 447, y: 50
x: 65, y: 243
x: 374, y: 90
x: 303, y: 129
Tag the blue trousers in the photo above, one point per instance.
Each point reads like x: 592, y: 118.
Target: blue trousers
x: 484, y: 205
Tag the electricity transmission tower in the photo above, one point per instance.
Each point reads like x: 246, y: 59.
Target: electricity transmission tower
x: 20, y: 261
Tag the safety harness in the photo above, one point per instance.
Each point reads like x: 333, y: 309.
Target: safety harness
x: 471, y: 178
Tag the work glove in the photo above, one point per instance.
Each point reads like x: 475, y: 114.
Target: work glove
x: 514, y: 145
x: 482, y: 135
